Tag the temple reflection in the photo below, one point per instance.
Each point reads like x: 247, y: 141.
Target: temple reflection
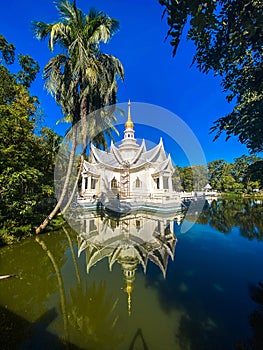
x: 131, y: 240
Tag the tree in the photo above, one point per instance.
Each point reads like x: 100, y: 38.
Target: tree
x: 200, y: 177
x: 193, y: 178
x: 220, y: 177
x: 30, y: 68
x: 228, y: 37
x: 26, y: 160
x: 7, y: 51
x: 177, y: 185
x: 186, y: 175
x: 255, y: 172
x: 240, y: 169
x: 82, y: 79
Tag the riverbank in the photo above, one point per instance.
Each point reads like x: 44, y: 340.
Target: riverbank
x: 19, y: 233
x: 234, y: 195
x: 15, y: 235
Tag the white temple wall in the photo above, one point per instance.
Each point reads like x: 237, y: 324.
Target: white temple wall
x: 139, y: 182
x: 107, y: 176
x: 140, y: 226
x: 142, y: 183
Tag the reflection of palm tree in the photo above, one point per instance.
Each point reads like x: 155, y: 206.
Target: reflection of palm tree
x: 60, y: 284
x: 73, y: 254
x: 91, y: 312
x: 92, y: 316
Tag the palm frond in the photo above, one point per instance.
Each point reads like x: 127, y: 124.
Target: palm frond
x: 83, y: 79
x: 40, y: 29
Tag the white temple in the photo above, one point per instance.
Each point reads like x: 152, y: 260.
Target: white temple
x: 129, y: 171
x: 133, y: 240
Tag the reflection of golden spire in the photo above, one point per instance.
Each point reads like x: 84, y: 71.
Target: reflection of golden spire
x: 129, y: 289
x: 129, y: 123
x: 129, y: 264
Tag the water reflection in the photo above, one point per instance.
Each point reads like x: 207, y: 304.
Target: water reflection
x: 88, y: 310
x: 223, y: 215
x: 202, y: 303
x: 255, y: 320
x: 130, y: 241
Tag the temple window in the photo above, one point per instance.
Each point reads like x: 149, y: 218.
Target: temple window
x: 165, y: 183
x: 92, y: 226
x: 157, y: 181
x: 114, y: 183
x: 138, y: 183
x: 93, y: 183
x: 86, y: 183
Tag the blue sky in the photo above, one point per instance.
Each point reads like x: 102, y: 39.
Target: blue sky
x: 152, y: 75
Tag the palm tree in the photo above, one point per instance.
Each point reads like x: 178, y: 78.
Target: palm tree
x: 82, y: 79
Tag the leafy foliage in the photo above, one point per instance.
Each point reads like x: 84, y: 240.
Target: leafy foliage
x: 7, y: 50
x: 243, y: 175
x: 30, y: 68
x: 26, y: 159
x: 190, y: 178
x: 82, y: 79
x: 228, y: 37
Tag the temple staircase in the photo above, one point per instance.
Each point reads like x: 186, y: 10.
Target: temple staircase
x: 125, y: 181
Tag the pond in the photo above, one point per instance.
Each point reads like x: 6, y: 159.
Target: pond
x: 138, y: 282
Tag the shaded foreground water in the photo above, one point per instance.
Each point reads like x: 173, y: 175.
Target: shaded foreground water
x: 138, y: 283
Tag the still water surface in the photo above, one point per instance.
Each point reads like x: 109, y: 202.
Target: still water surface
x: 138, y: 283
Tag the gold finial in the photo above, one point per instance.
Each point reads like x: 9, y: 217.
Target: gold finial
x: 129, y: 123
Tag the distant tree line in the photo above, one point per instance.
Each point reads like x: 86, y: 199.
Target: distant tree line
x: 245, y: 174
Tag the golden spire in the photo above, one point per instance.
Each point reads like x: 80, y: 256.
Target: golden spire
x: 129, y: 123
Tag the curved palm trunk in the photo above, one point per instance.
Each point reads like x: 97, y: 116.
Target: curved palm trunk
x: 65, y: 186
x: 60, y: 284
x: 75, y: 186
x: 84, y: 127
x: 73, y: 255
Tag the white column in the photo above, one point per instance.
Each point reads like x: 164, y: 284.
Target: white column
x: 89, y: 183
x: 161, y: 181
x: 172, y: 226
x: 83, y: 184
x: 162, y: 228
x: 170, y: 183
